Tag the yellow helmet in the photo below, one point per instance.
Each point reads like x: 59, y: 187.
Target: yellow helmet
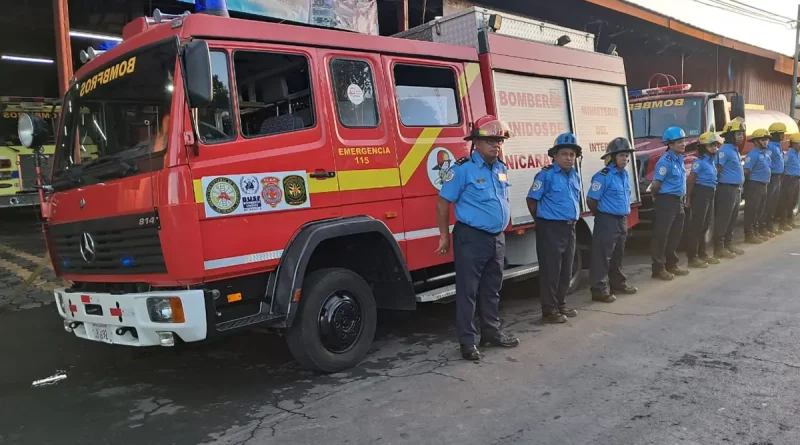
x: 709, y: 137
x: 777, y: 127
x: 795, y: 138
x: 759, y: 134
x: 733, y: 126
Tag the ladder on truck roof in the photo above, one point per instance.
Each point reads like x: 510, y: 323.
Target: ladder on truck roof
x: 463, y: 28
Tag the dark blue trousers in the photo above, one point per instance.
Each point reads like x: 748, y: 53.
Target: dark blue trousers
x: 479, y: 258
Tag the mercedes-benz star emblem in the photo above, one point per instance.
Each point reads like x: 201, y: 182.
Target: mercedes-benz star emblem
x: 82, y: 202
x: 88, y: 251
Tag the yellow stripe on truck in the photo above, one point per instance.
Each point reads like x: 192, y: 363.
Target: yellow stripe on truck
x: 418, y: 152
x: 368, y: 179
x: 466, y: 78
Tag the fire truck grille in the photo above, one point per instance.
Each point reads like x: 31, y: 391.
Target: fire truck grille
x: 122, y: 245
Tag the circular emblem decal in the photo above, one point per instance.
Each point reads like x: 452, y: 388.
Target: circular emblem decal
x: 222, y: 195
x: 355, y: 94
x: 721, y: 155
x: 596, y: 186
x: 440, y: 161
x: 696, y: 166
x: 249, y: 185
x: 294, y: 188
x: 662, y: 171
x: 536, y: 185
x: 271, y: 193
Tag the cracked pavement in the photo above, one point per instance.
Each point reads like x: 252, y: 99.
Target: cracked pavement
x: 711, y: 358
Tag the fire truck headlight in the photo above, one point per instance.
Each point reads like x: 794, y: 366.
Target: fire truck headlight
x: 165, y: 310
x: 60, y: 300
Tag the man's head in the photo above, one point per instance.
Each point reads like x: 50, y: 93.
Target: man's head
x: 760, y: 138
x: 618, y: 153
x: 675, y: 138
x: 708, y: 143
x: 776, y: 131
x: 733, y: 132
x: 794, y: 141
x: 488, y: 135
x: 565, y: 150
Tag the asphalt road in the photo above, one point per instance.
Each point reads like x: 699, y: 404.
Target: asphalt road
x: 711, y: 358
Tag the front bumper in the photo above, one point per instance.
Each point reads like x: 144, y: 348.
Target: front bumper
x: 125, y: 320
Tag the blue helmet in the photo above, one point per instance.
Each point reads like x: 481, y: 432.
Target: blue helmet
x: 673, y: 134
x: 565, y: 140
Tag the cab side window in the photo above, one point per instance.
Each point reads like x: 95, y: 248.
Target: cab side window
x: 426, y: 96
x: 354, y: 90
x: 215, y: 122
x: 274, y: 93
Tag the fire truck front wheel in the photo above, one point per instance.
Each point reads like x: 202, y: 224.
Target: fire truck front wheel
x: 335, y: 322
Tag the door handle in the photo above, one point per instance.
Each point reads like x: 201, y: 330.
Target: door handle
x: 322, y: 174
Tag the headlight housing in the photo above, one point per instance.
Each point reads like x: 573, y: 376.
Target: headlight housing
x: 165, y: 310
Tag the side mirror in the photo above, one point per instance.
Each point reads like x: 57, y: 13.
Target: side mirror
x: 197, y: 64
x: 737, y: 106
x: 32, y: 130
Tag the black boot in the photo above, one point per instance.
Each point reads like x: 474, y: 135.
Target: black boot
x: 567, y: 312
x: 625, y: 289
x: 553, y: 317
x: 663, y: 275
x: 470, y: 352
x: 603, y: 297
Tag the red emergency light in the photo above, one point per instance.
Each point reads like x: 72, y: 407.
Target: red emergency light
x: 660, y: 90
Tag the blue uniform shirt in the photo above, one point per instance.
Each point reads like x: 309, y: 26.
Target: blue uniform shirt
x: 776, y: 157
x: 480, y: 193
x: 612, y: 190
x: 705, y: 169
x: 757, y: 161
x: 558, y: 193
x: 730, y: 160
x: 672, y: 174
x: 792, y: 163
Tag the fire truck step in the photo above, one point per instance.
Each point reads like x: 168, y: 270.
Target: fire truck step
x: 260, y: 317
x: 444, y: 293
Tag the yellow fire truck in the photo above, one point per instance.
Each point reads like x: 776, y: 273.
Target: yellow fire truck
x: 17, y: 167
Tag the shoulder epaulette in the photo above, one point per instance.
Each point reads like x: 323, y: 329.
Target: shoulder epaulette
x: 605, y: 171
x: 547, y: 167
x: 501, y: 161
x: 463, y: 160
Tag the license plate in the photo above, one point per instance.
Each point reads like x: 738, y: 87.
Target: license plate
x: 99, y: 332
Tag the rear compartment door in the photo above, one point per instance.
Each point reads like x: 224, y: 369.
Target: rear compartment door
x: 600, y: 114
x: 536, y: 109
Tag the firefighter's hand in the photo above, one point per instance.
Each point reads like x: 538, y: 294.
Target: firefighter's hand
x: 444, y: 245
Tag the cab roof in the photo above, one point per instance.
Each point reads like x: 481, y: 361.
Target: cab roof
x: 140, y: 33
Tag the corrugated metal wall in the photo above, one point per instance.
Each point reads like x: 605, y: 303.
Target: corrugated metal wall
x: 750, y: 75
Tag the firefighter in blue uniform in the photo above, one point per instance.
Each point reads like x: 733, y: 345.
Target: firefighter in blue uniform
x: 728, y: 195
x: 790, y: 187
x: 757, y: 174
x: 478, y: 187
x: 776, y: 132
x: 554, y: 202
x: 609, y: 199
x: 668, y: 191
x: 700, y: 188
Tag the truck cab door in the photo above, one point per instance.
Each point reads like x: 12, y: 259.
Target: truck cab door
x: 264, y: 166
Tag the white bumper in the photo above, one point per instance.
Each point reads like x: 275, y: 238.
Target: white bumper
x: 110, y: 317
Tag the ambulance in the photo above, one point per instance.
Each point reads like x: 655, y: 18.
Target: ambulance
x: 215, y: 174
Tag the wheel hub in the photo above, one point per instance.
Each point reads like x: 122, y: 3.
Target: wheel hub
x: 340, y: 322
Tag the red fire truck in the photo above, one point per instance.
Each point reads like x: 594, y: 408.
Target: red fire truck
x: 215, y: 174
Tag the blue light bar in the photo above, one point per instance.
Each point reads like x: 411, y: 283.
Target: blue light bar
x: 211, y: 7
x: 128, y: 261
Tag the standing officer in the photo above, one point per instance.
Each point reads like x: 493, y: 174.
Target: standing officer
x: 554, y: 203
x: 756, y: 170
x: 776, y: 132
x: 609, y: 199
x: 729, y: 194
x: 790, y: 188
x: 478, y: 185
x: 668, y: 190
x: 700, y: 187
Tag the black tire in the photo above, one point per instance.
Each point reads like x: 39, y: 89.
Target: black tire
x: 350, y: 296
x: 577, y: 267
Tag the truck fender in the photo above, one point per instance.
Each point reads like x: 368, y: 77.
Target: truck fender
x: 396, y: 291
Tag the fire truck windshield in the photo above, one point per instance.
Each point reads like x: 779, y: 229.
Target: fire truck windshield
x: 117, y: 117
x: 651, y: 117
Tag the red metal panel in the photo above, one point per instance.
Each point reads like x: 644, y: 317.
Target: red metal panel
x: 523, y: 56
